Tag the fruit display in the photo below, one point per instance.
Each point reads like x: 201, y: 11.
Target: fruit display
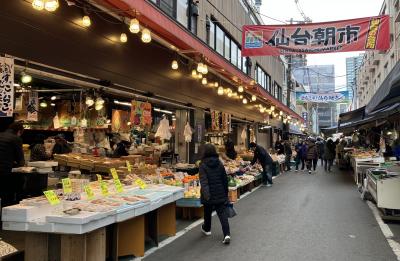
x: 192, y: 192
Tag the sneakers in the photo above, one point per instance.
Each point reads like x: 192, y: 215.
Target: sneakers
x: 269, y: 185
x: 296, y: 170
x: 205, y: 232
x: 309, y: 172
x: 227, y: 240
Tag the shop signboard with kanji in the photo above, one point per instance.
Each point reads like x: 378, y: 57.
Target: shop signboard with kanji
x: 362, y: 34
x: 333, y: 97
x: 6, y: 87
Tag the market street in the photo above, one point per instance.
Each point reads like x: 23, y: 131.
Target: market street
x: 302, y: 217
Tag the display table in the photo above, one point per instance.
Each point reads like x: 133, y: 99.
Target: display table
x: 359, y: 166
x: 83, y: 236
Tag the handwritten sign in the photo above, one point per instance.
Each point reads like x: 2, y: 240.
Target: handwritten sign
x: 140, y: 183
x: 114, y: 173
x: 6, y: 87
x: 129, y: 166
x: 67, y: 186
x: 118, y: 185
x: 104, y: 188
x: 51, y: 196
x: 89, y: 192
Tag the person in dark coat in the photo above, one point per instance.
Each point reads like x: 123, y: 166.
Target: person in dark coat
x: 312, y: 155
x: 61, y: 146
x: 329, y: 154
x: 279, y: 149
x: 214, y: 191
x: 304, y: 151
x: 11, y: 156
x: 297, y: 148
x: 321, y: 148
x: 230, y: 150
x: 262, y: 156
x: 288, y: 154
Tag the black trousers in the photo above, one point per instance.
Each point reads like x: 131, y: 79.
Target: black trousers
x: 223, y: 218
x: 312, y: 163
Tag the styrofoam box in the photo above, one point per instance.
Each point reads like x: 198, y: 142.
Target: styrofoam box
x: 41, y: 225
x: 15, y: 226
x: 81, y: 218
x: 20, y: 213
x: 82, y: 229
x: 43, y: 164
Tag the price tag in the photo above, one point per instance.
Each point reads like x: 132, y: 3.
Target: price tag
x: 89, y: 192
x: 114, y: 173
x: 141, y: 183
x: 118, y: 185
x: 67, y: 186
x: 51, y: 197
x: 99, y: 178
x: 104, y: 188
x: 129, y: 166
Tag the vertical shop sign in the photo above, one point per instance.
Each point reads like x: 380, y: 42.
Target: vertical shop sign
x: 6, y: 87
x: 226, y: 126
x: 215, y: 120
x: 32, y: 108
x: 305, y: 116
x: 141, y: 113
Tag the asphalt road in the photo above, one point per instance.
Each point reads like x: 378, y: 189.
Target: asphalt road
x: 302, y: 217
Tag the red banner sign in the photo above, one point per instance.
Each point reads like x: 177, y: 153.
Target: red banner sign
x: 361, y: 34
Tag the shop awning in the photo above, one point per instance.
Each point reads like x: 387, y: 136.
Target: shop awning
x: 351, y: 116
x: 388, y: 93
x: 189, y: 44
x: 329, y: 130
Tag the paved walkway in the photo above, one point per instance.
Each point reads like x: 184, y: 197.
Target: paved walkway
x: 302, y: 217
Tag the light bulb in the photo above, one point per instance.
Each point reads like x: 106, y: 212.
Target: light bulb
x: 272, y: 108
x: 289, y: 118
x: 86, y: 22
x: 281, y: 113
x: 43, y: 104
x: 99, y: 101
x: 38, y: 5
x: 199, y: 76
x: 53, y: 98
x: 89, y: 101
x: 240, y: 96
x: 194, y: 73
x: 240, y: 89
x: 270, y: 112
x: 123, y: 38
x: 25, y: 78
x: 98, y: 107
x: 146, y: 35
x: 174, y: 65
x: 244, y: 101
x: 215, y: 84
x: 52, y: 104
x: 205, y: 69
x: 220, y: 90
x: 134, y: 26
x: 204, y: 81
x: 200, y: 67
x: 253, y: 97
x: 51, y: 5
x: 262, y: 109
x: 284, y: 120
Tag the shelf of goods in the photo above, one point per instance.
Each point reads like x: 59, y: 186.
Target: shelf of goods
x: 83, y: 234
x: 363, y: 160
x: 384, y: 187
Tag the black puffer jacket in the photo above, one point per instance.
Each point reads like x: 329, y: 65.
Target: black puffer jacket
x: 214, y: 182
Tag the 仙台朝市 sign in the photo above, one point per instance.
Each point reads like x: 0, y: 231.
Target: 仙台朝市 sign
x: 303, y: 97
x: 370, y: 33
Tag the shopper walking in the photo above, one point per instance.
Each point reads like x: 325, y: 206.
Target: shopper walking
x: 214, y: 191
x: 304, y: 151
x: 288, y: 154
x: 297, y: 159
x: 312, y: 155
x: 329, y: 154
x: 261, y: 156
x: 321, y: 146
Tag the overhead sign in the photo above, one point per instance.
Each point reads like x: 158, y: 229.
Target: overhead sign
x: 370, y: 33
x: 333, y: 97
x: 6, y: 87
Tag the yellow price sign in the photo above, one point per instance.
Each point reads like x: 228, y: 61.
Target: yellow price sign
x: 141, y: 183
x: 129, y: 166
x: 118, y: 185
x: 67, y: 185
x: 89, y: 191
x: 99, y: 178
x: 51, y: 197
x: 114, y: 173
x: 104, y: 188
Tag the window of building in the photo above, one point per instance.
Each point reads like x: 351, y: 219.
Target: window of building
x: 219, y: 43
x: 182, y: 12
x: 193, y: 24
x: 239, y: 61
x: 211, y: 34
x: 168, y: 6
x: 227, y: 48
x: 263, y: 78
x: 234, y: 53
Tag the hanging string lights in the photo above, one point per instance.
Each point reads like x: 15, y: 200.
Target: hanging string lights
x: 134, y: 26
x: 204, y: 81
x: 220, y: 90
x: 86, y: 22
x: 174, y: 65
x: 146, y: 35
x: 38, y: 5
x: 123, y: 38
x: 253, y: 98
x: 244, y: 101
x: 240, y: 88
x: 194, y: 73
x: 48, y: 5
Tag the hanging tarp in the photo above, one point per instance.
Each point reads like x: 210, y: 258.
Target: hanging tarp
x: 6, y: 87
x: 370, y: 33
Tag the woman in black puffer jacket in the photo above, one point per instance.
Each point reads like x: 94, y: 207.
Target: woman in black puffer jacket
x: 214, y: 190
